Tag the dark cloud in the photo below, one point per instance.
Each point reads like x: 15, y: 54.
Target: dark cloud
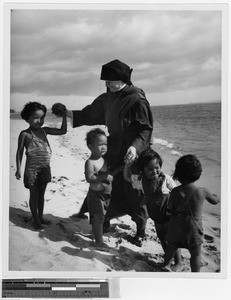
x: 61, y: 52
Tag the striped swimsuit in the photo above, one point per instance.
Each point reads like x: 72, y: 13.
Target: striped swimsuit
x: 37, y: 168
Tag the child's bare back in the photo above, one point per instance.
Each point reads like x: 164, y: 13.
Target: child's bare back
x: 195, y: 196
x: 186, y: 204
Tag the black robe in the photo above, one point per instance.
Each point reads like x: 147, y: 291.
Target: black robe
x: 128, y: 117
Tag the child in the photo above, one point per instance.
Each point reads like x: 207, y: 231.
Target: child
x: 186, y: 203
x: 38, y: 153
x: 156, y: 187
x: 100, y: 178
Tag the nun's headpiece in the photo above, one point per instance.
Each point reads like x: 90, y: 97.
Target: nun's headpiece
x: 116, y: 70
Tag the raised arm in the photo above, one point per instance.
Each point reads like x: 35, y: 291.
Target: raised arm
x: 58, y: 131
x: 93, y: 114
x: 211, y: 198
x: 19, y: 154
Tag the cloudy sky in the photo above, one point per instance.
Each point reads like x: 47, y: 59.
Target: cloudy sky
x: 56, y: 55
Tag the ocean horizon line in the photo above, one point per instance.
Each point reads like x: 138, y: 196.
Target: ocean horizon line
x: 190, y: 103
x: 13, y: 111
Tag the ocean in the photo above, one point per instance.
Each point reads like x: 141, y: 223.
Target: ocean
x: 191, y: 129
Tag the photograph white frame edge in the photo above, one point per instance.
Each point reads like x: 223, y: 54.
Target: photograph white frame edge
x: 5, y: 135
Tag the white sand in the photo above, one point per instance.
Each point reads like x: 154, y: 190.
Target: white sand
x: 65, y: 245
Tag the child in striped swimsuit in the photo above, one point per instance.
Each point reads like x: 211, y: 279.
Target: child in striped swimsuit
x: 38, y: 153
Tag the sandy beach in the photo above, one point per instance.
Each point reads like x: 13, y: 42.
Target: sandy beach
x: 66, y: 244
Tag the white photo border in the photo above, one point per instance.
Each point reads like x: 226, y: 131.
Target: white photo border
x: 209, y: 5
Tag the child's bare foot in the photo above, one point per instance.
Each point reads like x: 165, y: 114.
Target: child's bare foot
x: 177, y: 267
x: 135, y: 240
x: 38, y: 226
x: 101, y: 246
x: 45, y: 222
x: 166, y: 269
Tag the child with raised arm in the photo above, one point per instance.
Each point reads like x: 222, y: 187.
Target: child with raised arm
x: 156, y: 187
x: 97, y: 173
x: 186, y: 204
x: 38, y: 153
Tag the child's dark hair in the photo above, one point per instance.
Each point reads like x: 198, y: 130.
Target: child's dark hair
x: 146, y: 156
x: 92, y: 134
x: 30, y: 108
x: 188, y: 169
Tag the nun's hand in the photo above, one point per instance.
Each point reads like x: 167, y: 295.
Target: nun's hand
x: 130, y: 155
x: 58, y: 109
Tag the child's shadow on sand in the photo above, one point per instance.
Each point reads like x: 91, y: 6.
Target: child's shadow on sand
x: 60, y: 229
x: 77, y: 234
x: 128, y: 260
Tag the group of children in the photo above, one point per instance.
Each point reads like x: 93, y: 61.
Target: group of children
x: 175, y: 210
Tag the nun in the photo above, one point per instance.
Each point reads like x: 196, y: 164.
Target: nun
x: 126, y: 112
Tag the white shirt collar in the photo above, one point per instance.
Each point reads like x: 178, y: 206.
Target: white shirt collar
x: 122, y: 87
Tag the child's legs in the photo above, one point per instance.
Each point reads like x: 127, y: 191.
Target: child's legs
x: 33, y: 202
x: 160, y: 231
x: 84, y: 207
x: 137, y: 209
x: 178, y: 265
x: 170, y: 252
x: 177, y: 257
x: 97, y: 228
x: 41, y: 193
x: 195, y: 260
x: 97, y: 212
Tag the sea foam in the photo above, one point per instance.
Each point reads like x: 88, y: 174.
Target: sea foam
x: 163, y: 143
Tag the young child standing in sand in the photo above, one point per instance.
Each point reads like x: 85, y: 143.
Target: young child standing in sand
x: 157, y: 187
x: 38, y: 153
x: 100, y: 178
x: 186, y: 204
